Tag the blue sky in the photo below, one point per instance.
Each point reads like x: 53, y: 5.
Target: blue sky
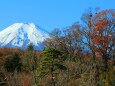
x: 48, y: 14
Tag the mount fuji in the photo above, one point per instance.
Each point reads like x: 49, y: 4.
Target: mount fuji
x: 20, y: 35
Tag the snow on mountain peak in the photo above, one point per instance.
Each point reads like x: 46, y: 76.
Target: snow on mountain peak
x: 19, y: 35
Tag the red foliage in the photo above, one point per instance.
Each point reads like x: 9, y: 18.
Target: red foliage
x: 103, y: 36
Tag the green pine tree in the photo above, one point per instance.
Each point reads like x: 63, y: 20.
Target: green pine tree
x: 50, y: 64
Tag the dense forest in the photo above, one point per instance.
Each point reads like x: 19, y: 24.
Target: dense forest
x: 82, y: 54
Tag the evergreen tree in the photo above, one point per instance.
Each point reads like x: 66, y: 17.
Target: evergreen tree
x: 50, y: 63
x: 12, y: 64
x: 30, y: 62
x: 30, y: 58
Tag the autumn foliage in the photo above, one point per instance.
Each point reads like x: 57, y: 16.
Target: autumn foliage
x: 83, y: 54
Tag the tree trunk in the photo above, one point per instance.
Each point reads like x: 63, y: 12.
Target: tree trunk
x: 105, y: 70
x: 52, y: 76
x: 53, y: 80
x: 94, y: 57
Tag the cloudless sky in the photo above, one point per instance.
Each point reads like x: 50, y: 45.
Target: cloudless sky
x: 48, y: 14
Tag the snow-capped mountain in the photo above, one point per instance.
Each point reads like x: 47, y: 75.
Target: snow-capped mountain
x: 20, y: 35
